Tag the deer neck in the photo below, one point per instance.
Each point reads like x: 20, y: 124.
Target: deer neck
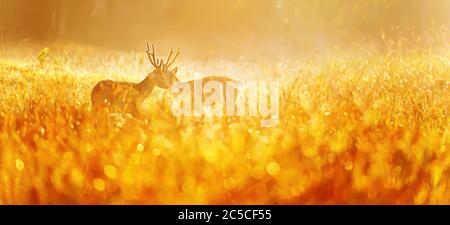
x: 146, y: 86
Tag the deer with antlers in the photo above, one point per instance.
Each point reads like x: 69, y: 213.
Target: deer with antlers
x: 127, y: 97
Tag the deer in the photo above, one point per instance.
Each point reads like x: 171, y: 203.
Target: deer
x: 127, y: 97
x: 218, y: 96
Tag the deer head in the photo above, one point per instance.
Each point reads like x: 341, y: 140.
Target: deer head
x: 163, y: 76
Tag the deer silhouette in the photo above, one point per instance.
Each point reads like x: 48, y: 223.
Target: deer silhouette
x: 127, y: 97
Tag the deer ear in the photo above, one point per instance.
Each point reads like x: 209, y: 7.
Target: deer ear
x: 175, y: 70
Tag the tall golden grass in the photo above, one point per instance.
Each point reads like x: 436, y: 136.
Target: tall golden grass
x: 364, y: 128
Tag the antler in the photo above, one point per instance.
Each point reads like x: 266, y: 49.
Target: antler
x: 168, y: 62
x: 159, y: 63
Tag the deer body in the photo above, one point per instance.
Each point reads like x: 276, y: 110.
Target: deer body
x: 114, y: 96
x: 191, y: 95
x: 192, y: 83
x: 123, y: 96
x: 204, y: 80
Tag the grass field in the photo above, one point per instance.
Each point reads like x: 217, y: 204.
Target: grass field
x: 367, y: 127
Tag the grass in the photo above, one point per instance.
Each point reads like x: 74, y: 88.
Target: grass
x: 368, y: 128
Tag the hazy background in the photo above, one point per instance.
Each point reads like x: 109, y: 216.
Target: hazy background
x: 219, y: 27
